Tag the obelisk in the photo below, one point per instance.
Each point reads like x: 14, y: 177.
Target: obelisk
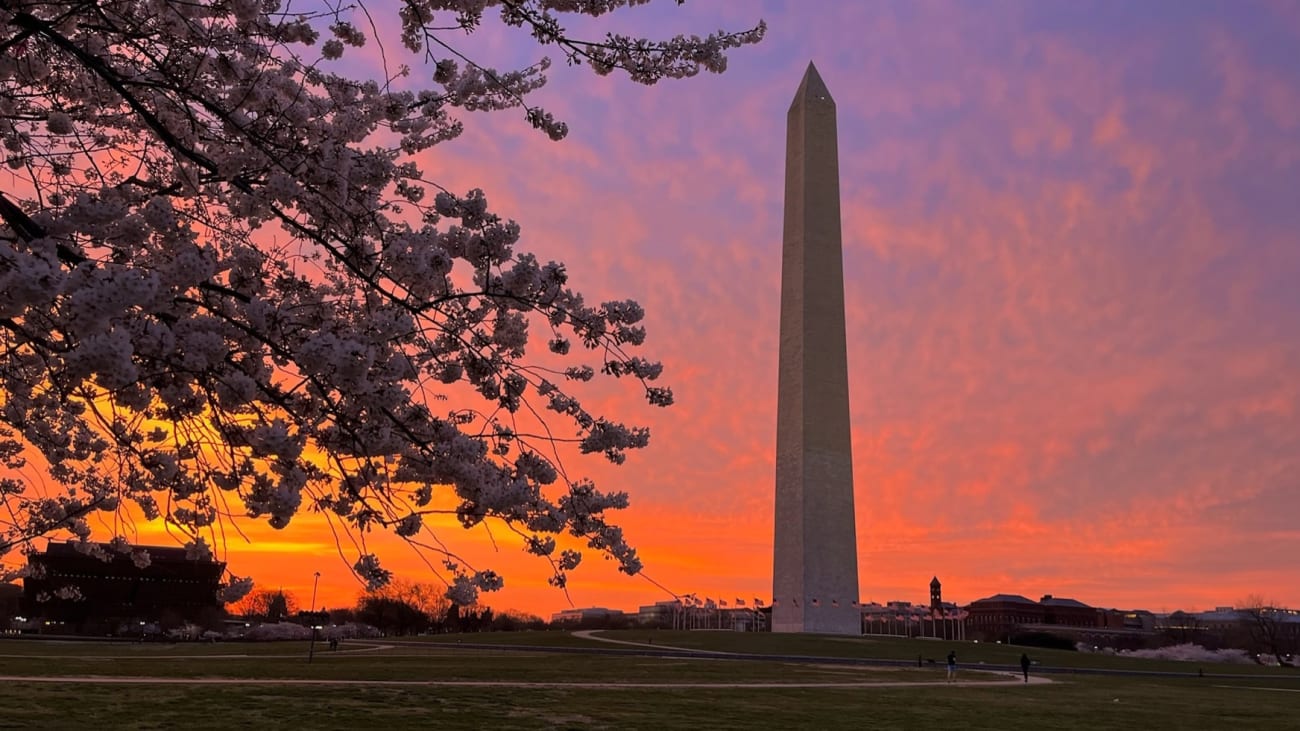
x: 815, y: 563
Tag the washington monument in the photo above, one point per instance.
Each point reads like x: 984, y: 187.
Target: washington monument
x: 815, y: 571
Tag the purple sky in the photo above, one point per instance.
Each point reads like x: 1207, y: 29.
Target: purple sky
x: 1072, y: 250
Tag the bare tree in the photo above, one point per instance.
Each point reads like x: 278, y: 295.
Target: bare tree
x: 1267, y: 626
x: 426, y: 598
x: 272, y: 605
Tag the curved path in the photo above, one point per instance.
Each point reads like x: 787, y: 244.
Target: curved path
x: 590, y: 634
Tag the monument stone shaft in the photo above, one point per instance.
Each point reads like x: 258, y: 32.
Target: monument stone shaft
x: 815, y: 571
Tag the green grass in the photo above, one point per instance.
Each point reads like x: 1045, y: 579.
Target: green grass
x: 437, y: 664
x: 969, y: 654
x: 66, y: 648
x: 1072, y: 702
x: 1091, y: 705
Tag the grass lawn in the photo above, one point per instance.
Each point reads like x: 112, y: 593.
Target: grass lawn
x: 1072, y: 702
x: 898, y: 648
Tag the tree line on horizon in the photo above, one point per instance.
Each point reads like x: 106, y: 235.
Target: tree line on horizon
x: 401, y: 608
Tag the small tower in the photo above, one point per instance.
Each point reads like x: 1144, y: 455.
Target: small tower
x: 936, y: 595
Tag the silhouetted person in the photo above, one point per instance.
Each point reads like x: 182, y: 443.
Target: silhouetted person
x: 952, y: 665
x: 1024, y: 665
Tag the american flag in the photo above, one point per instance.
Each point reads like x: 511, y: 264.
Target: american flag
x: 740, y: 602
x: 758, y: 602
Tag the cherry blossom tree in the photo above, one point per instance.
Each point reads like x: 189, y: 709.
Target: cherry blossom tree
x: 229, y: 291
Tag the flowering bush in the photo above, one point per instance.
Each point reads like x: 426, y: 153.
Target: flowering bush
x: 350, y: 631
x: 274, y: 632
x: 1186, y: 652
x: 1193, y: 653
x: 226, y: 291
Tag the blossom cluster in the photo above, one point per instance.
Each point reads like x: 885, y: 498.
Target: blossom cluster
x: 226, y: 294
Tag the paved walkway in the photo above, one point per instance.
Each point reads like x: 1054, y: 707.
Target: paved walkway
x: 590, y: 634
x: 1252, y: 687
x: 145, y: 680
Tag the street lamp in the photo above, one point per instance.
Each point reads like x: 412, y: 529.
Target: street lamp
x: 311, y: 648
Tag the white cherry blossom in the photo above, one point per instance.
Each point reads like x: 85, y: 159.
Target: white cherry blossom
x: 230, y: 291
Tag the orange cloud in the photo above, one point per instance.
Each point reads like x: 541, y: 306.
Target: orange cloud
x: 1070, y: 261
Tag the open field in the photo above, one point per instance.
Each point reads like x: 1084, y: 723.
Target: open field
x: 466, y: 687
x: 906, y: 649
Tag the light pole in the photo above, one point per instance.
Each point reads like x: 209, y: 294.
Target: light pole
x: 311, y: 648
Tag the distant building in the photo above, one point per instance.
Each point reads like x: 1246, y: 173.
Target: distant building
x: 588, y: 615
x: 1133, y: 620
x: 71, y: 592
x: 905, y: 619
x: 1221, y: 621
x: 1061, y: 612
x: 744, y: 619
x: 1262, y: 631
x: 659, y: 614
x: 999, y: 616
x: 11, y: 599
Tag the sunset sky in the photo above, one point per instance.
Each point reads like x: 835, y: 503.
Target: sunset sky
x: 1072, y: 259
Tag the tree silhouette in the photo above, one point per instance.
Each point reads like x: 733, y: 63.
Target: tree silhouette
x: 1272, y: 630
x: 266, y: 604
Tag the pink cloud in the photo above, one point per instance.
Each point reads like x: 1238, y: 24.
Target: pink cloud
x: 1072, y: 354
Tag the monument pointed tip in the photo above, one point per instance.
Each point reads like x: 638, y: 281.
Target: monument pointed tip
x: 812, y: 87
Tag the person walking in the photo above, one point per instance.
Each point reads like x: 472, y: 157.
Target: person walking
x: 952, y: 665
x: 1024, y: 665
